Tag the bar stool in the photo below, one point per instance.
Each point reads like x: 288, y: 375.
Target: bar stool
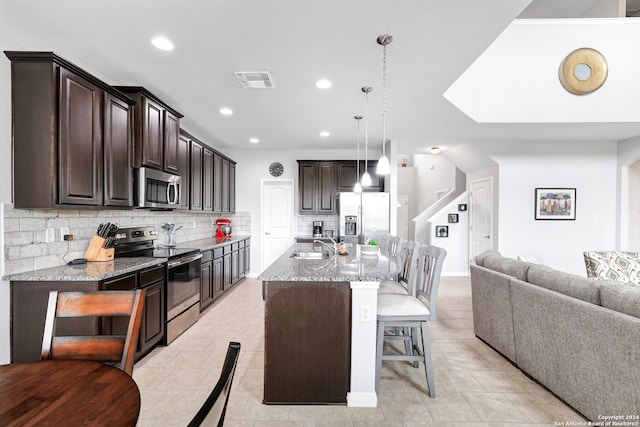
x: 404, y: 284
x: 406, y: 312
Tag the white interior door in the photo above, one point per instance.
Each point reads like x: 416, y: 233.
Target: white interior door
x: 481, y: 216
x: 277, y: 220
x: 403, y: 216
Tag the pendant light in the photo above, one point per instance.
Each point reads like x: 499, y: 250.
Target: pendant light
x: 357, y: 188
x: 383, y: 163
x: 366, y: 178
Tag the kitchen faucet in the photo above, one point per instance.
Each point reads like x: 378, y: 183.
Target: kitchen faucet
x: 334, y: 248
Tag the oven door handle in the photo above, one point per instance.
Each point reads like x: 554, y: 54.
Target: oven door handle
x: 183, y: 261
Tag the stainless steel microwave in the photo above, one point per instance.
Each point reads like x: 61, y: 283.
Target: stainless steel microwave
x: 156, y: 189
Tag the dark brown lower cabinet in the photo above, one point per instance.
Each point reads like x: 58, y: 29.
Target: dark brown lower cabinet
x: 206, y: 280
x: 307, y: 342
x: 29, y: 307
x: 218, y: 273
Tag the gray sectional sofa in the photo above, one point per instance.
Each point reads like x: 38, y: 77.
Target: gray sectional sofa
x: 578, y: 337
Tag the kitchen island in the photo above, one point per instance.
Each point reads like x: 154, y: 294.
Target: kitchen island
x: 320, y: 325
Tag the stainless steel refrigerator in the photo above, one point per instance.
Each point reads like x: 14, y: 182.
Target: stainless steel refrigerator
x: 361, y: 215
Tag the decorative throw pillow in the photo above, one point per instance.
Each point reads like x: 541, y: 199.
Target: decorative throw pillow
x: 617, y: 266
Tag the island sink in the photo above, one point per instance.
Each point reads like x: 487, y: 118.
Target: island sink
x: 310, y: 255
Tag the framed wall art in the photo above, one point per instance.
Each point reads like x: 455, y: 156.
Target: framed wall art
x: 555, y: 203
x: 453, y: 218
x: 442, y: 231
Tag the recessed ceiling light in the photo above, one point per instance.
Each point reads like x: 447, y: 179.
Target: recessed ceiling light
x: 323, y: 84
x: 324, y: 134
x: 435, y: 150
x: 226, y: 111
x: 162, y: 43
x: 254, y: 140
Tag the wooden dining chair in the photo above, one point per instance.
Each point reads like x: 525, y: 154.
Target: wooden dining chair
x: 116, y: 349
x: 214, y: 408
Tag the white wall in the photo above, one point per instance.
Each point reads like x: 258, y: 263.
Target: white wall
x: 588, y: 166
x: 433, y: 173
x: 629, y: 194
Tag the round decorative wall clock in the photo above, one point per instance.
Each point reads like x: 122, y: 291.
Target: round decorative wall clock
x: 276, y: 169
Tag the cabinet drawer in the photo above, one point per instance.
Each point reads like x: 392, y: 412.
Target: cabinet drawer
x: 206, y: 256
x: 227, y: 249
x: 247, y: 243
x: 151, y: 275
x: 241, y: 244
x: 218, y: 253
x: 234, y: 246
x: 121, y: 283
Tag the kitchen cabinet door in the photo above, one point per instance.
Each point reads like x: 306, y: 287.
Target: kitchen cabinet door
x: 241, y: 260
x: 247, y: 257
x: 153, y: 317
x: 218, y: 277
x: 316, y: 186
x: 80, y: 144
x: 206, y: 283
x: 207, y: 180
x: 232, y: 187
x: 195, y: 182
x: 217, y: 182
x: 225, y: 185
x: 226, y: 275
x: 307, y: 187
x: 152, y: 134
x: 346, y: 173
x: 183, y: 171
x: 171, y: 135
x: 118, y: 180
x: 326, y: 193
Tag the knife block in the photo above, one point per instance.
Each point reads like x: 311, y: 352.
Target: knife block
x: 97, y: 252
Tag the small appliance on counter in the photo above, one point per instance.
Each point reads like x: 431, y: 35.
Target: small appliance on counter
x: 224, y: 228
x: 318, y: 229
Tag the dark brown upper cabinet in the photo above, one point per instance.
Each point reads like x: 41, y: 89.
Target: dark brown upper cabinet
x: 156, y: 131
x: 217, y: 182
x: 316, y: 187
x: 183, y: 169
x: 195, y: 192
x: 69, y: 130
x: 212, y: 178
x: 118, y: 147
x: 207, y: 180
x: 346, y: 173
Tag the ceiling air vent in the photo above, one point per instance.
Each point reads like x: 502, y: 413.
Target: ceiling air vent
x: 255, y: 79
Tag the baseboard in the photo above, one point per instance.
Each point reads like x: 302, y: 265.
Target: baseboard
x: 455, y: 273
x: 362, y: 400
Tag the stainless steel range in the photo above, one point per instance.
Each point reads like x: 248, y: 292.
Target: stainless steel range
x: 182, y: 276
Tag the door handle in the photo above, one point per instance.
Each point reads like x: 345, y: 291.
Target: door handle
x: 267, y: 233
x: 487, y: 237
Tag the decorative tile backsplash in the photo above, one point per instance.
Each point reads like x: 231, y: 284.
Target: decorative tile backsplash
x: 25, y: 246
x: 305, y: 224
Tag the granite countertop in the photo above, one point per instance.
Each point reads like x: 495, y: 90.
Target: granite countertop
x: 96, y: 271
x: 211, y: 243
x: 89, y: 272
x: 336, y: 268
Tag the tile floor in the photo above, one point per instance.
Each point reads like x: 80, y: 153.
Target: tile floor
x: 475, y: 385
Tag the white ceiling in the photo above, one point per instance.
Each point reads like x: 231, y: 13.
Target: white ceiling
x: 299, y: 42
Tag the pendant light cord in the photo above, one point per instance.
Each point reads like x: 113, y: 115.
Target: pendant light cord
x: 384, y: 96
x: 366, y: 128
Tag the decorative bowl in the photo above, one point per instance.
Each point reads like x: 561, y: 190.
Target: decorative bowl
x: 368, y: 250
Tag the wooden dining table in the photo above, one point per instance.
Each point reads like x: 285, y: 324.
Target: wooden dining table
x: 67, y: 393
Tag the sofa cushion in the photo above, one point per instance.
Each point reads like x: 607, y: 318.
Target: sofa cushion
x: 479, y: 259
x: 618, y: 266
x: 565, y: 283
x: 509, y: 266
x: 621, y: 297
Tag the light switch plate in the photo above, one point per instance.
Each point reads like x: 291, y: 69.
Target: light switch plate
x: 50, y: 235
